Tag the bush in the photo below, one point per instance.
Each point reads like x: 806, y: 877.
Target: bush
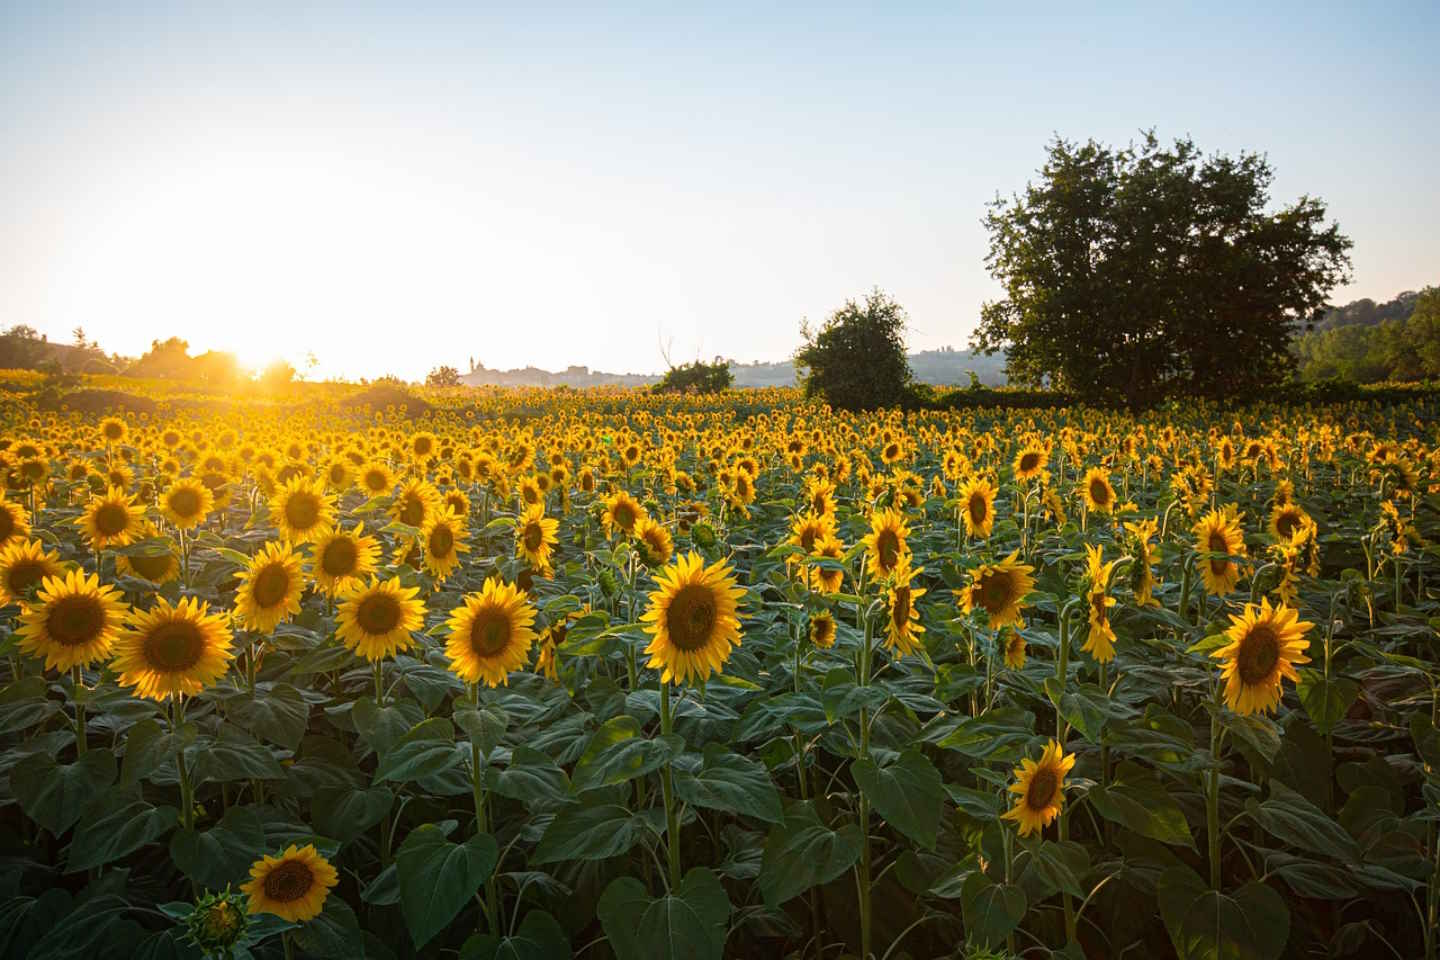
x: 697, y: 377
x: 857, y: 360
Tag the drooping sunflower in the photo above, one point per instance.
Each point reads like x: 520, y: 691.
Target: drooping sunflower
x: 1142, y: 577
x: 14, y: 522
x: 1219, y: 532
x: 374, y: 621
x: 694, y: 617
x: 654, y: 542
x: 823, y: 579
x: 977, y: 506
x: 1265, y: 644
x: 491, y: 634
x: 1287, y: 518
x: 1030, y: 461
x: 809, y: 529
x: 270, y: 588
x: 1013, y: 643
x: 903, y: 628
x: 622, y: 512
x: 302, y: 510
x: 535, y: 537
x: 169, y: 650
x: 822, y: 630
x: 24, y: 564
x: 293, y: 886
x: 885, y: 544
x: 157, y: 569
x: 74, y: 621
x: 999, y: 589
x: 444, y: 536
x: 1096, y: 491
x: 1100, y: 641
x: 342, y: 558
x: 112, y: 520
x: 187, y: 503
x: 1039, y: 789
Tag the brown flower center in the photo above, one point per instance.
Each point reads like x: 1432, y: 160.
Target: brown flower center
x: 379, y: 613
x: 1029, y: 461
x: 490, y: 633
x: 340, y: 557
x: 412, y: 510
x: 900, y: 609
x: 690, y: 620
x: 624, y: 516
x: 1218, y: 544
x: 173, y: 647
x: 23, y: 576
x: 75, y: 620
x: 995, y: 591
x: 289, y: 881
x: 887, y: 548
x: 151, y: 568
x: 1287, y: 523
x: 1099, y: 492
x: 112, y: 519
x: 1259, y: 652
x: 1044, y: 784
x: 7, y: 523
x: 271, y: 585
x: 184, y: 502
x: 302, y: 510
x: 979, y: 509
x: 441, y: 541
x: 534, y: 537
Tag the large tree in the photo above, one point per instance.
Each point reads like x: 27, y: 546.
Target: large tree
x: 1145, y: 272
x: 857, y: 360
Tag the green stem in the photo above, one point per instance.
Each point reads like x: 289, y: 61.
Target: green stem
x: 1062, y: 671
x: 672, y: 818
x: 1212, y: 798
x: 865, y: 915
x: 187, y: 790
x: 80, y: 738
x: 379, y: 683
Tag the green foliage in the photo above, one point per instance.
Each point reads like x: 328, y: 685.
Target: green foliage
x: 697, y: 377
x: 856, y: 359
x: 1148, y: 272
x: 1399, y: 341
x: 443, y: 376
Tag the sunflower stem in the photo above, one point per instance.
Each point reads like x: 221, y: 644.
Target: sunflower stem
x: 79, y: 686
x: 379, y: 684
x: 187, y: 791
x: 1212, y: 796
x: 482, y: 826
x: 672, y: 819
x: 864, y: 885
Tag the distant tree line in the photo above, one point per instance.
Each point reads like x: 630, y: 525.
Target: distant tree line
x: 1368, y: 342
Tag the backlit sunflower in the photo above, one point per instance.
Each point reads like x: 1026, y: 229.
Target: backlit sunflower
x: 694, y: 617
x: 187, y: 503
x: 809, y: 529
x: 23, y: 565
x: 535, y: 537
x: 1265, y: 644
x: 376, y: 479
x: 1100, y: 641
x: 302, y: 510
x: 113, y: 430
x: 157, y: 569
x: 885, y: 544
x: 977, y: 506
x: 1219, y: 532
x: 1096, y: 492
x: 342, y: 558
x: 547, y: 661
x: 1014, y: 646
x: 112, y: 520
x: 827, y: 579
x: 654, y: 542
x: 903, y: 629
x: 1285, y: 519
x: 1039, y: 789
x: 999, y: 589
x: 444, y: 536
x: 415, y: 503
x: 822, y: 630
x: 1030, y: 461
x: 622, y: 512
x: 14, y: 522
x: 270, y: 588
x: 1142, y: 577
x: 491, y: 634
x: 173, y: 650
x: 375, y: 620
x: 820, y: 494
x: 293, y: 886
x: 73, y: 622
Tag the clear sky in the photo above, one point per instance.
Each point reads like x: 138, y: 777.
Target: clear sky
x: 395, y: 187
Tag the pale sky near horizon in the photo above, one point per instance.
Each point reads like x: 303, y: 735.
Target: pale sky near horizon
x: 395, y: 187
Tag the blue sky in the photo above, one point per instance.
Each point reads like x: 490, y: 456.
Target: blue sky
x: 397, y: 187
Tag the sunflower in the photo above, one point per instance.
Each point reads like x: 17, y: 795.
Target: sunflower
x: 375, y: 621
x: 1030, y: 461
x: 303, y: 511
x: 23, y: 565
x: 270, y: 588
x: 157, y: 569
x: 977, y: 506
x: 1014, y: 648
x: 999, y: 589
x: 1096, y: 492
x: 809, y: 529
x: 74, y: 621
x: 535, y: 537
x: 885, y: 543
x: 903, y: 628
x: 547, y: 661
x: 1265, y: 644
x: 694, y: 618
x: 293, y: 886
x: 490, y: 634
x: 823, y: 579
x: 822, y: 630
x: 376, y: 479
x: 444, y: 536
x: 113, y: 430
x: 1142, y: 577
x: 654, y: 541
x: 1100, y: 642
x: 112, y: 520
x: 622, y: 512
x: 1286, y: 519
x: 820, y: 494
x: 187, y: 503
x: 14, y: 522
x: 342, y: 558
x: 1219, y: 533
x: 173, y: 650
x: 1040, y: 789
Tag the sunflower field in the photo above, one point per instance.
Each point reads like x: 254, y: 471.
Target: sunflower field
x: 610, y: 675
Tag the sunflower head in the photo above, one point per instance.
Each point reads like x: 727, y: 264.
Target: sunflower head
x: 14, y: 522
x: 1030, y: 461
x: 822, y: 630
x: 885, y: 544
x: 158, y: 569
x: 24, y: 564
x: 444, y: 538
x: 654, y: 542
x: 375, y: 621
x: 187, y: 503
x: 536, y: 536
x: 491, y: 634
x: 903, y: 629
x: 1265, y: 644
x: 112, y: 520
x: 694, y: 616
x: 270, y: 588
x: 74, y: 621
x: 292, y: 885
x: 303, y: 510
x: 1219, y: 534
x: 999, y: 589
x: 977, y: 506
x: 1096, y: 491
x: 172, y: 650
x: 1039, y: 789
x: 622, y: 513
x: 1014, y: 646
x: 343, y: 558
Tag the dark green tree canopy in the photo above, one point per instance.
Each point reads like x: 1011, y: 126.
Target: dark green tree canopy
x: 1145, y: 272
x: 856, y: 360
x: 697, y: 377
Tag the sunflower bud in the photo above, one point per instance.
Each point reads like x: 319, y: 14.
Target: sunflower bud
x: 607, y: 583
x: 217, y: 922
x: 704, y: 535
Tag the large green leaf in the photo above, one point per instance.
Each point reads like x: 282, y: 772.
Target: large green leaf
x: 1139, y: 802
x: 223, y: 854
x: 1249, y: 923
x: 908, y: 793
x: 278, y: 713
x: 55, y: 795
x: 540, y: 937
x: 594, y: 833
x: 437, y: 878
x: 802, y: 852
x: 617, y: 752
x: 345, y: 814
x: 991, y: 910
x: 334, y: 935
x: 233, y: 755
x: 728, y: 781
x: 1326, y: 699
x: 427, y: 749
x: 484, y: 726
x: 688, y: 923
x: 116, y: 829
x: 1295, y: 820
x: 531, y: 777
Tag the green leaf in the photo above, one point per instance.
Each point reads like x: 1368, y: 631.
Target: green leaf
x: 1258, y: 732
x: 992, y: 910
x: 233, y: 755
x: 595, y: 832
x: 686, y: 924
x: 908, y: 793
x: 345, y: 813
x: 55, y: 796
x: 991, y: 733
x: 485, y: 726
x: 842, y: 698
x: 223, y: 854
x: 540, y: 937
x: 426, y: 750
x: 437, y: 877
x: 617, y: 752
x: 1288, y: 816
x: 728, y: 781
x: 803, y: 852
x: 278, y: 714
x: 1326, y: 700
x: 1249, y: 923
x: 24, y: 704
x: 531, y: 777
x: 1139, y: 802
x: 1057, y: 866
x: 334, y: 934
x: 115, y: 831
